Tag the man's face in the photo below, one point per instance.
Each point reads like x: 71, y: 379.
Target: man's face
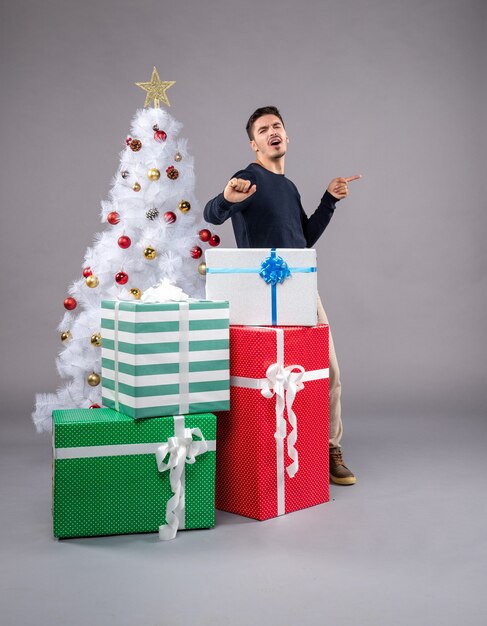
x: 270, y: 138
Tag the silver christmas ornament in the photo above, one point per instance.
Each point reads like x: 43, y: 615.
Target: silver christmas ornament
x: 151, y: 214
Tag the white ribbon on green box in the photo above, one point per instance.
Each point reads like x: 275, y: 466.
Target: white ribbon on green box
x: 283, y: 383
x: 183, y: 357
x: 181, y: 449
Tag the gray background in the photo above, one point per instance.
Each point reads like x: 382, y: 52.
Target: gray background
x: 393, y: 90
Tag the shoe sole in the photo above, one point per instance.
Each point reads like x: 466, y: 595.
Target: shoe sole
x: 351, y: 480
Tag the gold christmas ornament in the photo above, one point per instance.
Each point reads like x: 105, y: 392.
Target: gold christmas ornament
x: 178, y: 157
x: 150, y: 253
x: 93, y: 379
x: 202, y: 268
x: 153, y: 174
x: 96, y: 340
x: 136, y: 187
x: 184, y: 206
x: 66, y: 336
x: 156, y: 90
x: 137, y: 294
x: 92, y: 281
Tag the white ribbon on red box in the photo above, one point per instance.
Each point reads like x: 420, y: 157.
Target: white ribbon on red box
x: 284, y: 383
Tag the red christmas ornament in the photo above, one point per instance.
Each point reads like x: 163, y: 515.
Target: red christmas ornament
x: 128, y: 139
x: 160, y: 135
x: 70, y: 304
x: 204, y: 234
x: 113, y: 218
x: 87, y: 272
x: 124, y: 241
x: 196, y: 252
x: 172, y: 172
x: 121, y: 278
x: 214, y: 240
x: 170, y: 217
x: 95, y: 406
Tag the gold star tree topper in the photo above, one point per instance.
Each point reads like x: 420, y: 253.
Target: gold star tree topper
x: 156, y: 90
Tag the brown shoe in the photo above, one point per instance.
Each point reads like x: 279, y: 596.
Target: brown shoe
x: 339, y: 472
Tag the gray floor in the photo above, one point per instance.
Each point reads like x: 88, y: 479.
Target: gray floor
x: 406, y: 545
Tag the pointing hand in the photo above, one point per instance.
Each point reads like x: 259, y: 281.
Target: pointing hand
x: 339, y: 186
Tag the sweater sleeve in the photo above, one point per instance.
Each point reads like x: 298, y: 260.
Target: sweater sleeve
x: 314, y: 226
x: 218, y: 210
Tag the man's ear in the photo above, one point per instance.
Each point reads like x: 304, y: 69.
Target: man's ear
x: 253, y: 145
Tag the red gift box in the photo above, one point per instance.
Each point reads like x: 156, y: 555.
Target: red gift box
x: 273, y: 443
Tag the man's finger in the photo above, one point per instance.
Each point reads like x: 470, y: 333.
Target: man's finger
x: 350, y: 178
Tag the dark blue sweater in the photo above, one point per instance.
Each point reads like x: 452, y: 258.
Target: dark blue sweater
x: 273, y: 216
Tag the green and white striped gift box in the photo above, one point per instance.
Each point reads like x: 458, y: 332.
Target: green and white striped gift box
x: 165, y: 358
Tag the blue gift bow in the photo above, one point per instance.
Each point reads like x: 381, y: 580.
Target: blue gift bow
x: 273, y: 270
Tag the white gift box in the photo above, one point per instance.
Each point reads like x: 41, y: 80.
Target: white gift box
x: 265, y: 286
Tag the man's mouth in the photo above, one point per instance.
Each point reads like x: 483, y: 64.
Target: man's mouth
x: 275, y: 141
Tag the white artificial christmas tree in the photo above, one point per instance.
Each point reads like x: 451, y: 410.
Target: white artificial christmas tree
x: 154, y: 231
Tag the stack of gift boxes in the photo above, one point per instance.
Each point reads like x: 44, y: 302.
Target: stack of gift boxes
x: 253, y: 354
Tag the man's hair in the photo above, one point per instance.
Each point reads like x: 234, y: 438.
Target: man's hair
x: 270, y: 110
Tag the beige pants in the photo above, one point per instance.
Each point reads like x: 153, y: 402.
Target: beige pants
x: 336, y: 427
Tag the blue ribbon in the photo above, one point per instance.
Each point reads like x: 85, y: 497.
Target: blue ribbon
x: 272, y: 270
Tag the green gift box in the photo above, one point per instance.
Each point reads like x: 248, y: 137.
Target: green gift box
x: 165, y: 358
x: 115, y: 475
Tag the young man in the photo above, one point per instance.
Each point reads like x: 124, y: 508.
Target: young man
x: 266, y: 212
